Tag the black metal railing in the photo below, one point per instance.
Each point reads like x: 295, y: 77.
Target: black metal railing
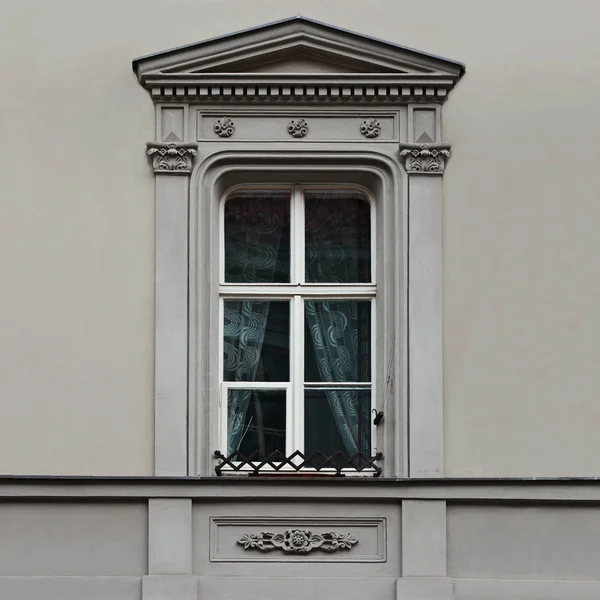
x: 277, y: 463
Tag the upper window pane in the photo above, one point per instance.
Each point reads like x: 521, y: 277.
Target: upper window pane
x: 337, y: 237
x: 257, y: 237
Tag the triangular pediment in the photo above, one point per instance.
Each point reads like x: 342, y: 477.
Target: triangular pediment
x: 293, y: 51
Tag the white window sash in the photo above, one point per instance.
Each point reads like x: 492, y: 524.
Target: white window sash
x: 295, y: 292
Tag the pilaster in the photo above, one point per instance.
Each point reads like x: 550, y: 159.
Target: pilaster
x: 172, y: 164
x: 424, y: 164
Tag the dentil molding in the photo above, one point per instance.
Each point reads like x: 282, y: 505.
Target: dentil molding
x: 425, y: 158
x: 172, y: 157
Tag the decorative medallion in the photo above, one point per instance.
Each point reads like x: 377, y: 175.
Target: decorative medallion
x: 298, y: 541
x: 224, y: 127
x: 370, y: 128
x: 172, y: 157
x: 298, y: 128
x: 425, y: 158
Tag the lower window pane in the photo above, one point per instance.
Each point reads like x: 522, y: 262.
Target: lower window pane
x: 255, y: 421
x: 337, y: 420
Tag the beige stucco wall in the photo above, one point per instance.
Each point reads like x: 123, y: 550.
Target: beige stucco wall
x: 522, y: 278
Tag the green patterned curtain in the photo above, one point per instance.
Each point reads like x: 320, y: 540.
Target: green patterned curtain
x: 341, y: 338
x: 256, y: 251
x: 338, y: 250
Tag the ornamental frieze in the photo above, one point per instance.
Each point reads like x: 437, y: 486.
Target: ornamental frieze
x: 298, y: 541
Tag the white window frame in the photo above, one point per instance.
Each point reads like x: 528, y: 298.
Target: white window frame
x: 296, y: 292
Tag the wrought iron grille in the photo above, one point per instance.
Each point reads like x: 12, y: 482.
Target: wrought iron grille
x: 277, y: 463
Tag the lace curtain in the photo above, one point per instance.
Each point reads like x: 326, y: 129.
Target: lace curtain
x: 256, y: 251
x: 338, y: 251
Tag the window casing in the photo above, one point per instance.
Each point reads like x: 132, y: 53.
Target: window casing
x: 219, y: 124
x: 299, y: 283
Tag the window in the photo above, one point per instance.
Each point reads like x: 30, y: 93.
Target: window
x: 297, y: 305
x: 236, y: 111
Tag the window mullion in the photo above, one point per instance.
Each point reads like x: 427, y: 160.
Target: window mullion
x: 297, y: 325
x: 298, y: 228
x: 297, y: 432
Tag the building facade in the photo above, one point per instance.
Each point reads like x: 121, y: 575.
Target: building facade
x: 298, y: 309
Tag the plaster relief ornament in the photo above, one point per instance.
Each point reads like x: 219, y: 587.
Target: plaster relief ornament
x: 298, y: 128
x: 224, y: 127
x: 298, y: 541
x: 370, y: 128
x: 171, y: 157
x: 425, y: 158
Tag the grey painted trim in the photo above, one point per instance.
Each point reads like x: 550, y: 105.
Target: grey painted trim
x: 70, y: 588
x: 188, y: 588
x: 411, y: 237
x: 218, y: 68
x: 491, y: 589
x: 423, y: 538
x: 169, y: 588
x: 171, y: 326
x: 426, y: 435
x: 169, y: 536
x: 298, y: 18
x: 409, y: 588
x: 275, y: 160
x: 331, y: 489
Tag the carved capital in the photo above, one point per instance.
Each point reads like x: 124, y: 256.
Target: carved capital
x: 298, y: 541
x: 172, y: 158
x: 425, y: 159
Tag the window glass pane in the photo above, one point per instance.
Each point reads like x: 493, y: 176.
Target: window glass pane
x: 256, y: 340
x: 337, y: 340
x: 255, y: 421
x: 337, y: 420
x: 257, y: 237
x: 337, y: 237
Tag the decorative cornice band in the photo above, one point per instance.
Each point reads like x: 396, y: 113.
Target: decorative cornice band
x: 172, y: 158
x: 425, y: 159
x: 298, y: 541
x: 379, y: 89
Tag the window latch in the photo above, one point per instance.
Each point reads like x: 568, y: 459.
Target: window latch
x: 378, y: 416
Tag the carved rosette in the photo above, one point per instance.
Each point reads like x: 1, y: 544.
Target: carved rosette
x: 298, y: 541
x: 171, y: 157
x: 224, y: 127
x: 297, y: 128
x: 370, y: 128
x: 425, y: 158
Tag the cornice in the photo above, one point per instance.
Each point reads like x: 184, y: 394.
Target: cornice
x: 323, y: 88
x: 567, y: 490
x: 299, y: 60
x: 172, y: 158
x: 425, y: 159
